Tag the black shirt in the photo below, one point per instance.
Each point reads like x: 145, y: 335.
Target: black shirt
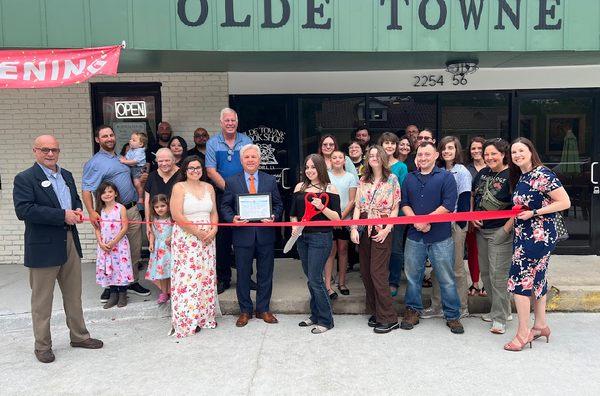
x: 195, y: 151
x: 498, y: 185
x: 155, y: 184
x: 297, y: 210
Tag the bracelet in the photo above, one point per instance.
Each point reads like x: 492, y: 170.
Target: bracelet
x: 535, y: 212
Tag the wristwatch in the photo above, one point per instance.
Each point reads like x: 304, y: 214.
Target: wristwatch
x: 535, y: 213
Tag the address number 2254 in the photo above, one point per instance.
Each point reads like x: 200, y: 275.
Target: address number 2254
x: 433, y: 80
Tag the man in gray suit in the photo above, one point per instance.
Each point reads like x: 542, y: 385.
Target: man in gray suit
x: 46, y: 199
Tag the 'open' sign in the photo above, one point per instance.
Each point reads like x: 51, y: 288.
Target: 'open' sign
x: 130, y: 109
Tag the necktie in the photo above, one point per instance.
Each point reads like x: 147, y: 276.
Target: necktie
x: 252, y: 186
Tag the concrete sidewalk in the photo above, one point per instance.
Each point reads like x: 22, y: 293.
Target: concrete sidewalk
x: 574, y: 280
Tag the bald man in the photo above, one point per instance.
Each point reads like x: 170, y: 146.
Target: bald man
x: 45, y: 198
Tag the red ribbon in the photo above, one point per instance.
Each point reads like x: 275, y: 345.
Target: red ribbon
x: 430, y: 218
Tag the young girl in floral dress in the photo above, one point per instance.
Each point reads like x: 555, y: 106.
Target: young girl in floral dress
x: 113, y: 260
x: 159, y: 264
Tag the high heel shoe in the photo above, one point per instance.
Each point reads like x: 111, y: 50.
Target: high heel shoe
x: 545, y: 332
x: 517, y: 347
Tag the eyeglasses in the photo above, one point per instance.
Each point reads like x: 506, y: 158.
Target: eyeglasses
x: 194, y: 169
x: 47, y: 150
x: 200, y: 136
x: 425, y: 138
x: 229, y: 155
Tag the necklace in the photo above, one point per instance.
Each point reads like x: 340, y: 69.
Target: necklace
x: 317, y: 187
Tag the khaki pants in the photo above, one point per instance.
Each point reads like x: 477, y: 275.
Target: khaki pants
x: 495, y: 253
x: 134, y: 234
x: 42, y: 281
x: 460, y: 275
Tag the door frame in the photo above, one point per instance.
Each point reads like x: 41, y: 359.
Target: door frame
x: 594, y: 94
x: 98, y: 90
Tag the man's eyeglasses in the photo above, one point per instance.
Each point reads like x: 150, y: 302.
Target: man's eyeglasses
x: 47, y: 150
x: 194, y: 169
x: 229, y: 155
x: 425, y: 138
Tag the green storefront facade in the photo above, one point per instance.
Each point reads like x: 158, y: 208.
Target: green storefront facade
x: 302, y: 68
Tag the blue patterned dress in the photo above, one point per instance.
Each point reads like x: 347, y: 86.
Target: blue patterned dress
x: 535, y: 238
x: 159, y: 264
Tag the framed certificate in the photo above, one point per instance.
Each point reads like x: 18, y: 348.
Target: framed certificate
x: 254, y: 206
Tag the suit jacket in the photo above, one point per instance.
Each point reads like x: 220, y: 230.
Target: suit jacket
x: 249, y: 236
x: 45, y: 227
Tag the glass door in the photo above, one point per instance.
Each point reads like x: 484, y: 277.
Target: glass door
x: 562, y: 125
x: 269, y: 120
x: 127, y: 107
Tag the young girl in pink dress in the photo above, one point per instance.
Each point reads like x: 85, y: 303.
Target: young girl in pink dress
x: 113, y: 260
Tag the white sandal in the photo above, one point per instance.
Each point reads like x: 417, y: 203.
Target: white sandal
x: 318, y: 329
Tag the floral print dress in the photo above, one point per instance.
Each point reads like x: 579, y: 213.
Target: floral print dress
x: 113, y: 268
x: 535, y: 238
x: 378, y: 199
x: 193, y: 272
x: 159, y: 264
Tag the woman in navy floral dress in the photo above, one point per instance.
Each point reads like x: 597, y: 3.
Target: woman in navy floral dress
x: 539, y: 189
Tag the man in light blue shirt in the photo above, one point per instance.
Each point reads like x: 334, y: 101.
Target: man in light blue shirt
x: 223, y: 161
x: 105, y: 166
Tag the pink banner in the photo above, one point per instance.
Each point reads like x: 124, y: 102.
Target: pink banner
x: 56, y: 68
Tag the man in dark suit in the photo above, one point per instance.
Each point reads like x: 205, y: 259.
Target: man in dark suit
x: 250, y: 242
x: 45, y: 197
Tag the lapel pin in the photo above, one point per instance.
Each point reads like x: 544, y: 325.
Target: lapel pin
x: 46, y: 183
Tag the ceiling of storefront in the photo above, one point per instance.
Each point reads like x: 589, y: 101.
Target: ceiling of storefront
x: 197, y: 61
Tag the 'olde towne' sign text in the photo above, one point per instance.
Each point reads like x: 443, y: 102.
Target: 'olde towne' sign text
x: 432, y: 14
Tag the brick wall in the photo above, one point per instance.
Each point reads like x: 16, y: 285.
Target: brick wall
x: 189, y: 100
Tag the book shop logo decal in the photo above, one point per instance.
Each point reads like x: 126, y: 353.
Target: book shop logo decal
x: 264, y: 137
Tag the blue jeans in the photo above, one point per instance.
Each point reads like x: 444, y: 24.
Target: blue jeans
x: 397, y: 257
x: 441, y: 255
x: 314, y: 249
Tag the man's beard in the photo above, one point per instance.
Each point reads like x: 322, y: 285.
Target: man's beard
x: 162, y: 139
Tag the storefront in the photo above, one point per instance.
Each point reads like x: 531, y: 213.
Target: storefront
x: 296, y: 69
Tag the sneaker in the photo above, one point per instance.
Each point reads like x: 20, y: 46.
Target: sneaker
x: 372, y: 321
x: 488, y: 317
x: 430, y: 313
x: 464, y: 313
x: 455, y: 326
x: 138, y: 289
x: 410, y: 319
x: 162, y: 298
x: 105, y: 295
x: 383, y: 328
x: 498, y: 328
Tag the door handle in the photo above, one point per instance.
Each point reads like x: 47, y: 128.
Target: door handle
x: 592, y: 178
x: 284, y: 179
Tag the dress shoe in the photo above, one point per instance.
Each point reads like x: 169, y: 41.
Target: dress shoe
x: 253, y: 285
x: 90, y: 343
x: 268, y: 317
x: 46, y: 356
x: 222, y: 286
x: 243, y: 319
x: 383, y: 328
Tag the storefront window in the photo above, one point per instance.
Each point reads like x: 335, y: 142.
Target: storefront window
x: 338, y: 116
x: 474, y: 114
x: 394, y: 113
x: 561, y: 128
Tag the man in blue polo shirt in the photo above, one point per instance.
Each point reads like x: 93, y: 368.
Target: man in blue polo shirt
x: 223, y: 161
x: 105, y: 166
x: 429, y: 190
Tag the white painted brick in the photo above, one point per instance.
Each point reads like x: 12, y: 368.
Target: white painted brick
x: 189, y: 100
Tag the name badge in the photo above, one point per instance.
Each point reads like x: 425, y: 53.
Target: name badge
x: 46, y: 183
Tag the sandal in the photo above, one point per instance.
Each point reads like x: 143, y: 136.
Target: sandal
x: 482, y: 292
x: 306, y: 323
x: 427, y: 283
x: 344, y: 290
x: 473, y: 290
x: 332, y: 295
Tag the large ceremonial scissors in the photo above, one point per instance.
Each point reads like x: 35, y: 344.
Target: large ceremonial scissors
x: 310, y: 211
